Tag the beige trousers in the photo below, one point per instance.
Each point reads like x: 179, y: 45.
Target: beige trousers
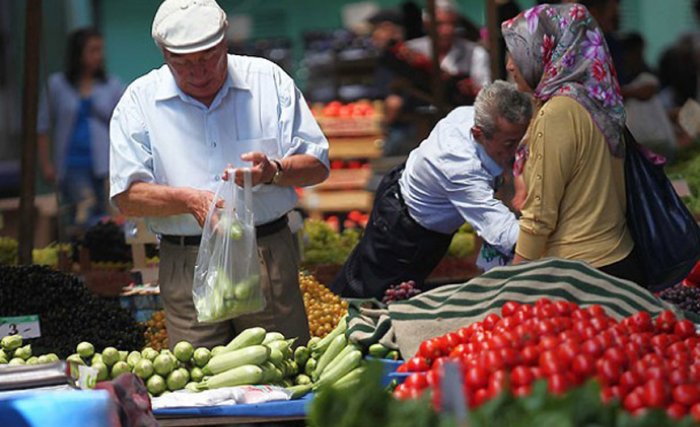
x: 284, y: 310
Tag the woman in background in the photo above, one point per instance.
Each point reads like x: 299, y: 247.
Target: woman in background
x: 73, y: 128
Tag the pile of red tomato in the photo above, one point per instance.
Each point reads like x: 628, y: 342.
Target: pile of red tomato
x: 361, y: 108
x: 643, y: 362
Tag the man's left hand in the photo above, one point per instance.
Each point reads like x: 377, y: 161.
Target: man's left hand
x: 262, y: 170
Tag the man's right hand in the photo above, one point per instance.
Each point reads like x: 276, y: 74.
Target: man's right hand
x: 198, y: 203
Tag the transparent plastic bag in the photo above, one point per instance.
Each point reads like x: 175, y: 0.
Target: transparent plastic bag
x: 227, y: 271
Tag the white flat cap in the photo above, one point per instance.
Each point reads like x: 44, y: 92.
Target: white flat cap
x: 186, y: 26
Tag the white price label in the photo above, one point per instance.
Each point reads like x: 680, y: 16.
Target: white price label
x: 27, y: 326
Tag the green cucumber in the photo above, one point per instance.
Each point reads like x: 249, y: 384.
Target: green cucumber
x: 252, y: 355
x: 250, y: 336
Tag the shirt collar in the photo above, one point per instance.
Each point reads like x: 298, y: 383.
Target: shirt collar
x: 489, y: 164
x: 169, y: 88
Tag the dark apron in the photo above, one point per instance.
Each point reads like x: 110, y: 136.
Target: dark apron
x: 394, y: 248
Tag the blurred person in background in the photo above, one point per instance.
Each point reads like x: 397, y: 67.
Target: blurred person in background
x: 73, y: 131
x: 646, y: 119
x: 607, y: 14
x: 457, y: 56
x: 175, y: 131
x: 573, y: 158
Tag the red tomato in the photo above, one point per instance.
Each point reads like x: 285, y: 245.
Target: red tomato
x: 609, y: 371
x: 694, y: 373
x: 417, y: 364
x: 592, y: 348
x: 507, y: 323
x: 431, y: 349
x: 521, y: 375
x: 509, y: 308
x: 580, y: 314
x: 557, y: 384
x: 678, y: 376
x: 684, y: 329
x: 546, y: 327
x: 665, y: 322
x: 568, y: 350
x: 582, y: 365
x: 459, y: 350
x: 480, y: 396
x: 695, y: 412
x: 633, y: 402
x: 417, y: 380
x: 656, y: 394
x: 498, y: 341
x: 686, y: 394
x: 563, y: 308
x: 655, y: 373
x: 510, y: 356
x: 490, y: 321
x: 599, y: 323
x: 522, y: 391
x: 433, y: 378
x: 452, y: 340
x: 543, y: 302
x: 641, y: 322
x: 464, y: 335
x: 606, y: 394
x: 530, y: 355
x: 546, y: 311
x: 548, y: 342
x: 402, y: 368
x: 676, y: 411
x: 629, y: 380
x: 476, y: 377
x: 492, y: 360
x: 596, y: 310
x: 551, y: 364
x: 617, y: 355
x: 660, y: 341
x: 497, y: 382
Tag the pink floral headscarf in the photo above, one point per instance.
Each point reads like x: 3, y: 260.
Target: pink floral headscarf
x: 560, y: 50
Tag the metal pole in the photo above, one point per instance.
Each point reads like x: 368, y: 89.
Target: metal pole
x: 438, y: 87
x: 30, y: 98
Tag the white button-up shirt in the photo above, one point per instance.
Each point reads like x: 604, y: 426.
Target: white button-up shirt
x: 449, y: 179
x: 160, y: 135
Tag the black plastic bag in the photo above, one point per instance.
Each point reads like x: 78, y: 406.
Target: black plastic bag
x: 666, y: 236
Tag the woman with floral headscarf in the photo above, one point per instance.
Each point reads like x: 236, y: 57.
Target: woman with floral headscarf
x: 573, y: 164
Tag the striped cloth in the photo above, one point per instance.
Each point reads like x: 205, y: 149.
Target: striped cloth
x: 448, y: 308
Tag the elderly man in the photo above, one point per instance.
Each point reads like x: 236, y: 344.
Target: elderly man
x: 447, y: 180
x: 173, y: 134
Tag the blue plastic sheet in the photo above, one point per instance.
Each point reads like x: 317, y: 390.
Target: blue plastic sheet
x: 57, y: 408
x: 285, y: 408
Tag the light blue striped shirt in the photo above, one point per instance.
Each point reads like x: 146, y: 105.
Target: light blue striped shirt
x: 161, y: 135
x: 449, y: 179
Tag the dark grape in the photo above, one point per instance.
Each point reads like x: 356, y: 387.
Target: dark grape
x: 685, y: 297
x: 400, y: 291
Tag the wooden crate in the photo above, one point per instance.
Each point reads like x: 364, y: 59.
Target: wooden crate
x: 334, y: 127
x: 368, y: 147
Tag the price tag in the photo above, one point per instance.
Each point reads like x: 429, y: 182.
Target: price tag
x: 27, y: 326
